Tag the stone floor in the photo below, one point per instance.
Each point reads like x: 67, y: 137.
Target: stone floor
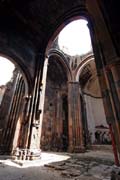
x: 92, y: 165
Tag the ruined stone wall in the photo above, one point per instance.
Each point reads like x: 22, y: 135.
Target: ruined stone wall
x: 6, y: 101
x: 52, y: 128
x: 11, y: 112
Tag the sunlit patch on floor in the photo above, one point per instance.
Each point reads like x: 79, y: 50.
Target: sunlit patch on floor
x: 46, y: 158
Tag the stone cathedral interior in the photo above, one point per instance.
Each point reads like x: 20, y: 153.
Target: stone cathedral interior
x: 56, y: 101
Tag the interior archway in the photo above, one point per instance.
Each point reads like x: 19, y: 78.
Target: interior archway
x: 13, y: 92
x: 97, y: 130
x: 79, y: 65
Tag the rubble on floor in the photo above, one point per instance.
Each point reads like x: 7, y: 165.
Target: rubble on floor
x: 84, y: 166
x: 92, y: 165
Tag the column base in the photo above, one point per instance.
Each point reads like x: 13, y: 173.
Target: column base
x: 76, y: 149
x: 27, y: 154
x: 79, y: 149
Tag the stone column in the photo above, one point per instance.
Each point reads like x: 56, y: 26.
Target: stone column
x: 109, y: 106
x: 23, y: 134
x: 59, y: 113
x: 34, y: 113
x: 113, y: 77
x: 105, y: 53
x: 74, y: 118
x: 38, y: 109
x: 103, y: 57
x: 114, y: 68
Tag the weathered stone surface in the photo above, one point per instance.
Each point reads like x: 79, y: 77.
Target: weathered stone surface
x: 88, y: 167
x: 64, y: 170
x: 26, y: 28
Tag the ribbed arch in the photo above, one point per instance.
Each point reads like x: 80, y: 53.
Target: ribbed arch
x: 83, y: 63
x: 60, y: 57
x: 79, y: 12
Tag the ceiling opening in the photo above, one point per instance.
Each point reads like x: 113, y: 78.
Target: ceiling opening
x: 6, y: 70
x: 75, y: 38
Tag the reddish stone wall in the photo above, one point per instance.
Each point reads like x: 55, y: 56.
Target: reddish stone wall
x: 52, y: 128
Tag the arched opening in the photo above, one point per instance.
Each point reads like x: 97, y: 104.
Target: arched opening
x: 79, y: 114
x: 96, y: 130
x: 13, y: 91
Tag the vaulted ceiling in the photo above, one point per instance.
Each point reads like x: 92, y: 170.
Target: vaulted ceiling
x: 56, y: 71
x: 35, y: 20
x: 26, y: 26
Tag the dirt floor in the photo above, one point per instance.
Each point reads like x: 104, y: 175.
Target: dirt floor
x: 92, y: 165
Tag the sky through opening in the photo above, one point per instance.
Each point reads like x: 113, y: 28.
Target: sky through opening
x: 6, y: 70
x: 75, y: 39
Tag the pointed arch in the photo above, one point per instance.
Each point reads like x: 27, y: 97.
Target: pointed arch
x: 22, y: 71
x: 79, y: 12
x: 63, y: 61
x: 84, y: 62
x: 22, y: 68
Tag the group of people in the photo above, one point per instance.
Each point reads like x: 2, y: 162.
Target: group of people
x: 102, y: 137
